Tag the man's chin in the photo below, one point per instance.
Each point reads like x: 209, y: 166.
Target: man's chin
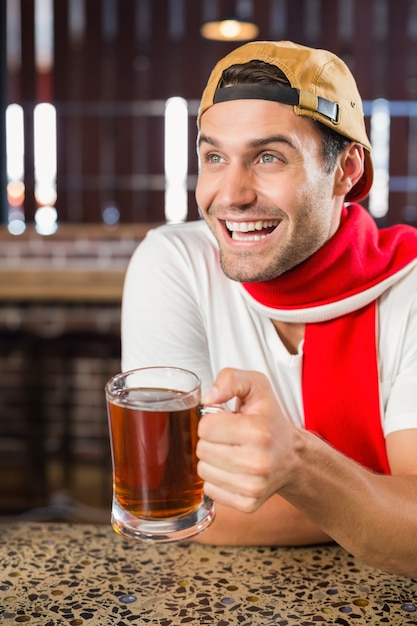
x: 246, y: 274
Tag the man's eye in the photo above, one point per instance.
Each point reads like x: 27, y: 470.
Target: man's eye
x: 268, y: 158
x: 214, y: 158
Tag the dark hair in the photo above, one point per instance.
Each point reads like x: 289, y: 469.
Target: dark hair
x: 255, y: 72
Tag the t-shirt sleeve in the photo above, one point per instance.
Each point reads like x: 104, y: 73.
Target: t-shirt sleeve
x: 161, y: 319
x: 401, y: 406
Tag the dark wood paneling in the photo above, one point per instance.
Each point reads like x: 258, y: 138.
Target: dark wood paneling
x: 28, y: 81
x: 101, y: 154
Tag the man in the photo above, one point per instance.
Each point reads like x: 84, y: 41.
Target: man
x: 288, y: 300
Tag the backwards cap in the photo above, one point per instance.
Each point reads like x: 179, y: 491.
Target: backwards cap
x: 322, y: 88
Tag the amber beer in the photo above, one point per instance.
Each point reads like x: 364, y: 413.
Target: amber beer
x: 154, y: 454
x: 153, y: 417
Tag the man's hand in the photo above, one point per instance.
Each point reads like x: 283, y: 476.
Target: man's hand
x: 245, y: 455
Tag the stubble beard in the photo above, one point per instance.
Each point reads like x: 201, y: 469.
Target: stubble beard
x: 303, y: 243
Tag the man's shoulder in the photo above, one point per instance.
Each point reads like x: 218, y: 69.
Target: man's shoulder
x: 408, y: 279
x: 190, y: 240
x: 191, y: 233
x: 401, y: 296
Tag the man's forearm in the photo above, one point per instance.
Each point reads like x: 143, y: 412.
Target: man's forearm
x: 372, y: 516
x: 276, y: 523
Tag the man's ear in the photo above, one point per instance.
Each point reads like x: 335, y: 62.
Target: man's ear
x: 349, y: 169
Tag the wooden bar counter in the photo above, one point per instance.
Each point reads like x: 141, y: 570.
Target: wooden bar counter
x: 80, y: 575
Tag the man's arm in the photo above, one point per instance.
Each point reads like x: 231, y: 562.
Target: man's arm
x: 255, y: 453
x: 275, y: 523
x: 371, y: 515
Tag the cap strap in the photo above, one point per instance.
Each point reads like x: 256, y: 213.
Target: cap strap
x: 285, y: 95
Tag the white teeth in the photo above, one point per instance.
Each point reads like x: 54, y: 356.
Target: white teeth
x: 246, y: 227
x: 237, y: 237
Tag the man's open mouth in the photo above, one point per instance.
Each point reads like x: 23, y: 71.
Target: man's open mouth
x: 251, y: 231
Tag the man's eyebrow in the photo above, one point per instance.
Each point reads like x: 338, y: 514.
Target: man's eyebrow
x: 256, y: 143
x: 265, y: 141
x: 206, y: 139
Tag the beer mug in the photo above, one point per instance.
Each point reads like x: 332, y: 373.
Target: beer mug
x: 153, y: 418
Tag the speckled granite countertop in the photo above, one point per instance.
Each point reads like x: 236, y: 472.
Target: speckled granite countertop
x: 86, y: 575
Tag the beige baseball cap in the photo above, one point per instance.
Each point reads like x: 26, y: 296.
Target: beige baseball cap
x: 322, y: 88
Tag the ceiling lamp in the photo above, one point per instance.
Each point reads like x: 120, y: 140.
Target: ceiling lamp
x: 230, y: 29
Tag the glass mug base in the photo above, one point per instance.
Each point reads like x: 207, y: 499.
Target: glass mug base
x: 163, y: 530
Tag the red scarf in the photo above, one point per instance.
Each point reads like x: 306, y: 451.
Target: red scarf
x: 340, y: 377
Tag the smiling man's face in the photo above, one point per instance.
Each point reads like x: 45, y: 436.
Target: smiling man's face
x: 262, y: 188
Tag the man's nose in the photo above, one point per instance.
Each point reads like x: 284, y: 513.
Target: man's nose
x: 237, y: 187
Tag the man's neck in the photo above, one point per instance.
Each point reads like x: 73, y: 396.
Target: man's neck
x: 290, y: 334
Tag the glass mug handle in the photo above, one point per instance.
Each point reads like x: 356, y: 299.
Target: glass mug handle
x: 205, y: 409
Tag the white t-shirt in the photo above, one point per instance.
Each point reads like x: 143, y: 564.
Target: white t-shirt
x: 180, y: 309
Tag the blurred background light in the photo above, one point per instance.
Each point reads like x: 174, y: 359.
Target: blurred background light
x: 176, y: 159
x: 380, y: 140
